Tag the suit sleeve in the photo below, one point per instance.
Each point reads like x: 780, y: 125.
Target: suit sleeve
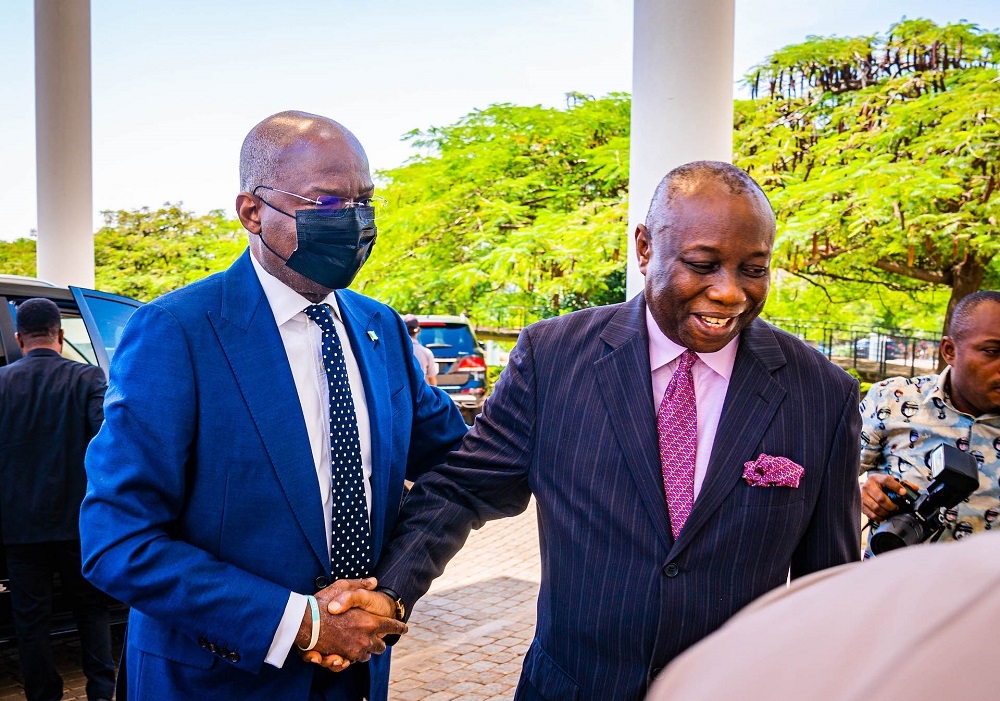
x: 486, y: 478
x: 833, y: 536
x: 138, y: 467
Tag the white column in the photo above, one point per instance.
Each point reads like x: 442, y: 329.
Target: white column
x: 682, y: 97
x: 63, y: 142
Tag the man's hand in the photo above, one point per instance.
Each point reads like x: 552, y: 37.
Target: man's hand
x: 374, y: 602
x: 353, y: 635
x: 875, y: 503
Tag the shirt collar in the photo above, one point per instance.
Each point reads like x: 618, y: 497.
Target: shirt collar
x: 939, y: 389
x: 284, y: 301
x: 663, y: 351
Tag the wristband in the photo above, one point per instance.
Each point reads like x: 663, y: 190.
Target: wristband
x: 314, y: 636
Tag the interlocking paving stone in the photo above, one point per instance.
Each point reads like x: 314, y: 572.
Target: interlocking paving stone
x: 477, y: 620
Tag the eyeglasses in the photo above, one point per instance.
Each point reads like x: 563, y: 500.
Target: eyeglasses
x: 369, y: 205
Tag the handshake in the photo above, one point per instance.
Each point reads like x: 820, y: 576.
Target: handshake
x: 353, y: 622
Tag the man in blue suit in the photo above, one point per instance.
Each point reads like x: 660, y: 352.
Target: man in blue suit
x: 258, y: 428
x: 685, y: 456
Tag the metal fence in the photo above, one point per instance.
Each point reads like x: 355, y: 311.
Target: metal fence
x: 895, y: 351
x: 869, y: 350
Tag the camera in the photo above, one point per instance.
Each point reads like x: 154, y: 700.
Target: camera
x: 955, y: 475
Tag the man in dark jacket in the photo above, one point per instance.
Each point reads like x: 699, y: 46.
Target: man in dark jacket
x: 50, y: 408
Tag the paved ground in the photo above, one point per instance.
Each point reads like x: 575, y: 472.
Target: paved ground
x: 67, y: 654
x: 467, y: 635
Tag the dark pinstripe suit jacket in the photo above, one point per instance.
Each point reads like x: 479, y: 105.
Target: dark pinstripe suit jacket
x: 572, y: 422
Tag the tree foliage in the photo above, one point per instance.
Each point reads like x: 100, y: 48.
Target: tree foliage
x: 18, y: 257
x: 880, y: 156
x: 145, y: 252
x: 515, y: 213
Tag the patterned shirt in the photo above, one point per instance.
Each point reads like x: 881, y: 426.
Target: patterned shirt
x: 905, y: 418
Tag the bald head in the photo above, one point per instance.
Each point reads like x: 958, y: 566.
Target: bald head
x: 273, y: 142
x: 691, y: 178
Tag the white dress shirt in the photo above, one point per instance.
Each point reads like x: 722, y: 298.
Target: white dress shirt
x: 711, y: 373
x: 302, y: 340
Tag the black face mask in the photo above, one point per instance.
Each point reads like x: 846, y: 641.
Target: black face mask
x: 332, y: 244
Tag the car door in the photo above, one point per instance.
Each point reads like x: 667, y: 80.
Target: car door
x: 104, y: 315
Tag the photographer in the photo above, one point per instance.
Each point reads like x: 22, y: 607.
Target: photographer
x: 905, y: 418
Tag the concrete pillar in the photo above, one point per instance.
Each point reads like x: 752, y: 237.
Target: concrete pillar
x: 682, y: 97
x: 63, y: 142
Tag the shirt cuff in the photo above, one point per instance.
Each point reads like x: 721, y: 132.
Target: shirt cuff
x: 288, y: 628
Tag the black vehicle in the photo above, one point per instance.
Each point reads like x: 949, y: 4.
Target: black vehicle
x: 460, y: 360
x: 92, y: 324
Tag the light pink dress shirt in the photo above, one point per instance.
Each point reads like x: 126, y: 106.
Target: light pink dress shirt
x: 711, y: 382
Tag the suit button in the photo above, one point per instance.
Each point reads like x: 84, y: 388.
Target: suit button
x: 655, y: 672
x: 672, y: 570
x: 213, y: 648
x: 233, y: 657
x: 203, y: 643
x: 321, y: 582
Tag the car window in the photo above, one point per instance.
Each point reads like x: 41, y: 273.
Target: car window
x: 447, y: 339
x: 77, y: 345
x: 7, y: 334
x: 76, y: 340
x: 110, y: 317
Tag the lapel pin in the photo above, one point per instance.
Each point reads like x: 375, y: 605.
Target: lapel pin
x: 373, y: 336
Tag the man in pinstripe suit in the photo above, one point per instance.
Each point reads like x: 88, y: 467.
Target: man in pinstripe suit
x: 621, y: 594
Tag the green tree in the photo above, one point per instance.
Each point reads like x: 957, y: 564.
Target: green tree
x: 881, y: 156
x: 513, y: 214
x: 143, y: 253
x: 18, y: 257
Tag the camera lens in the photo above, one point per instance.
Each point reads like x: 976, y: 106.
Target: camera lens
x: 898, y: 532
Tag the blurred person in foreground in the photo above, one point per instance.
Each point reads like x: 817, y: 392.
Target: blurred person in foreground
x: 50, y: 408
x: 684, y: 455
x: 424, y: 356
x: 906, y: 418
x: 811, y: 641
x: 259, y: 427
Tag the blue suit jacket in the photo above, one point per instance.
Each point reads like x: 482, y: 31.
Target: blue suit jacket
x: 203, y: 509
x: 572, y: 422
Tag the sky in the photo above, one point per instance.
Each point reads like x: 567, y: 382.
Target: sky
x: 177, y: 85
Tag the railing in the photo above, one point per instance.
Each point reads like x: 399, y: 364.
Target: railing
x: 891, y: 349
x: 870, y: 350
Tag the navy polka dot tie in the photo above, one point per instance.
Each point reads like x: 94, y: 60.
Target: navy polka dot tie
x: 351, y: 550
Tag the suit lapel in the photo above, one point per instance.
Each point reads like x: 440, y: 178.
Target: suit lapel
x: 370, y: 354
x: 250, y: 340
x: 623, y: 376
x: 751, y: 401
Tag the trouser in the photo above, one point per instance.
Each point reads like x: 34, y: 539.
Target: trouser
x: 30, y: 568
x: 349, y: 685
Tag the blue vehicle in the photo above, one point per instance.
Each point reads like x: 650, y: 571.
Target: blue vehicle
x: 460, y: 361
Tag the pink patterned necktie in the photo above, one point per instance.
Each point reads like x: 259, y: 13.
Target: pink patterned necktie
x: 677, y: 421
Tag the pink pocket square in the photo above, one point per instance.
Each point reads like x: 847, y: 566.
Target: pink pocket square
x: 769, y: 471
